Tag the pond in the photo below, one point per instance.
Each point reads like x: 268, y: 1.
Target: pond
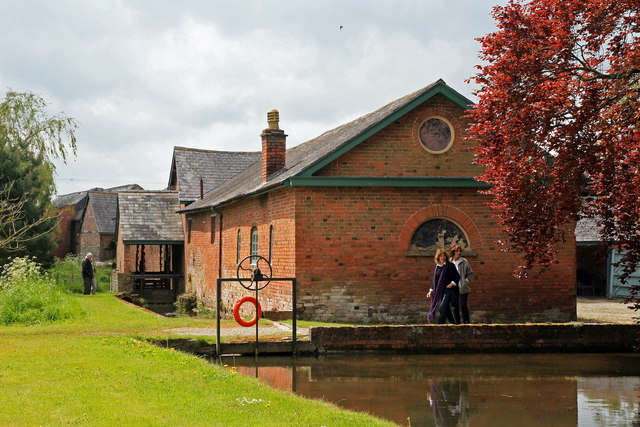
x: 466, y: 389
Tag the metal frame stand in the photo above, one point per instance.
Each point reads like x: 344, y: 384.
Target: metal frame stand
x: 239, y: 280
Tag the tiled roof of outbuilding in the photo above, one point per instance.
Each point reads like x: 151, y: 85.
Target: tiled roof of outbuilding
x: 105, y: 206
x: 306, y: 155
x: 69, y: 199
x: 214, y: 167
x: 74, y: 198
x: 149, y: 217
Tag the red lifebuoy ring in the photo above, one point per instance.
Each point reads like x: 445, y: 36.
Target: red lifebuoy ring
x: 236, y: 311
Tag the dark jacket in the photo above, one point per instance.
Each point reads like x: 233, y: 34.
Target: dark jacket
x: 87, y: 268
x: 449, y: 274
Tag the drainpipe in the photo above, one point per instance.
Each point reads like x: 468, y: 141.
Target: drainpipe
x: 219, y: 215
x: 218, y: 284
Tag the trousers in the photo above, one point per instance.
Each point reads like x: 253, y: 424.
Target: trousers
x: 445, y: 308
x: 87, y: 285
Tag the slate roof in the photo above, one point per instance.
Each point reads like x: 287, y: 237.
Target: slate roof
x: 69, y: 199
x: 75, y: 198
x: 310, y: 153
x: 214, y: 167
x: 149, y: 217
x: 105, y: 208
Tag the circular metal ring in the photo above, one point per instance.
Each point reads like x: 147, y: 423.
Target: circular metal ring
x: 254, y: 272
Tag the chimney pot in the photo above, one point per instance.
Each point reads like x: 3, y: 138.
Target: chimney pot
x: 273, y: 117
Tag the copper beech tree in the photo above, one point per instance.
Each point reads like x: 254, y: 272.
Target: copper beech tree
x: 557, y: 120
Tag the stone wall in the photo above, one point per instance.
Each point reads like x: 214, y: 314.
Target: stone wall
x: 568, y: 337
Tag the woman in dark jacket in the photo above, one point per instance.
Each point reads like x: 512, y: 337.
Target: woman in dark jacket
x: 444, y: 287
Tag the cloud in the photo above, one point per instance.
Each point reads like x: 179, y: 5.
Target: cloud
x: 141, y: 77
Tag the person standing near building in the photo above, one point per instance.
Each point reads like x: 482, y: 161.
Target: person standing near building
x: 444, y: 288
x: 87, y: 273
x: 466, y: 273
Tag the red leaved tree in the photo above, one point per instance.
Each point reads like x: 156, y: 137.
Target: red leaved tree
x: 557, y: 119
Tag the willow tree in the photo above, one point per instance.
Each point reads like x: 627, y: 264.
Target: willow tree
x: 31, y: 140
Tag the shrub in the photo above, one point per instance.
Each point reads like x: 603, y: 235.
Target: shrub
x: 28, y: 296
x: 204, y: 311
x: 186, y: 304
x: 67, y: 273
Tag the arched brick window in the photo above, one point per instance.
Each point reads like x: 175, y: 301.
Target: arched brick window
x: 436, y: 225
x: 254, y: 245
x: 239, y: 246
x: 438, y: 233
x: 270, y: 244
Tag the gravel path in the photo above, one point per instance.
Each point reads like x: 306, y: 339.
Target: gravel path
x: 602, y: 310
x: 275, y: 329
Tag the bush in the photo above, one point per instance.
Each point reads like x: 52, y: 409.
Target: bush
x: 67, y: 274
x: 28, y: 296
x: 186, y: 304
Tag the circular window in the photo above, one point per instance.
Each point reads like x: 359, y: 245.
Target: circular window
x: 436, y: 134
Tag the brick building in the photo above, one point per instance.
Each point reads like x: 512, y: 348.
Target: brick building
x: 87, y: 222
x: 356, y: 215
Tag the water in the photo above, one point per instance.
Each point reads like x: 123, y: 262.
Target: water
x: 466, y: 390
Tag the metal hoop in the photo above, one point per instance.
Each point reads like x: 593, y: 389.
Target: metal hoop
x: 254, y: 276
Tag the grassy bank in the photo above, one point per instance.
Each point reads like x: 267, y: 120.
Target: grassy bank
x: 93, y: 370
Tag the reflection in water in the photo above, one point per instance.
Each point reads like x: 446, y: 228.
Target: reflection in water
x: 467, y: 390
x: 450, y: 403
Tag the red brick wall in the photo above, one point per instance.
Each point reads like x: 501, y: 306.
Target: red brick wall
x: 396, y: 150
x: 357, y: 239
x: 91, y: 240
x: 123, y: 259
x: 89, y: 237
x: 65, y: 218
x: 201, y: 256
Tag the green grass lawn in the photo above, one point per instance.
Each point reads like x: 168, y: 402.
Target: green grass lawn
x: 95, y: 371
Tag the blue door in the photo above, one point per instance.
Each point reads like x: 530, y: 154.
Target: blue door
x: 615, y: 288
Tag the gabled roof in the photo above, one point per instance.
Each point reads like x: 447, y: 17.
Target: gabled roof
x: 69, y: 199
x: 189, y: 165
x: 307, y: 158
x: 105, y: 207
x: 78, y: 196
x: 149, y: 217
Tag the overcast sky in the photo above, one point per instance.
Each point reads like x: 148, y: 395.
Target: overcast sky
x: 141, y: 77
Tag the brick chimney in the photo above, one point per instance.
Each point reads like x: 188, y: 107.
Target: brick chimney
x: 273, y: 146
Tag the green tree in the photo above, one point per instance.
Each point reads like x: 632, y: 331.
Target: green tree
x: 31, y: 139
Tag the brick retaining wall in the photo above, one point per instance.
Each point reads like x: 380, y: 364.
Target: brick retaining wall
x: 566, y: 337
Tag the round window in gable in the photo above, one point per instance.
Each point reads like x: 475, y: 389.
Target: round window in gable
x: 436, y: 134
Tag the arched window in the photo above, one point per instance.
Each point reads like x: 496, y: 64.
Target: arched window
x: 239, y: 246
x: 271, y: 244
x: 254, y: 245
x: 438, y: 233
